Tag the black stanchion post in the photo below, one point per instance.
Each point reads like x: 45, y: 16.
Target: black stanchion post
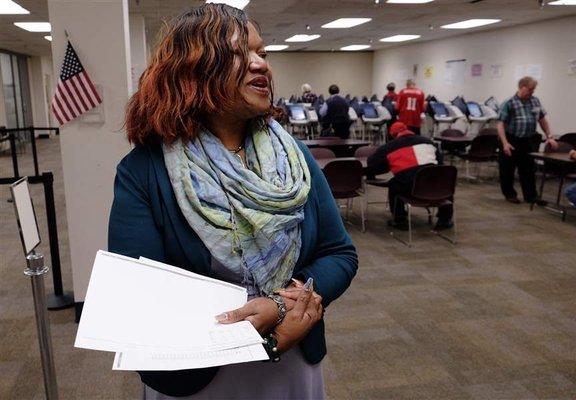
x: 12, y: 140
x: 34, y: 153
x: 59, y: 299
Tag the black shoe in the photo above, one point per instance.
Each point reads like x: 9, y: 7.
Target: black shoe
x: 401, y: 225
x: 513, y: 200
x: 443, y: 225
x: 538, y: 202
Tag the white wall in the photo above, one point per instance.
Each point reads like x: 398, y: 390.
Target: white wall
x: 37, y: 92
x: 549, y: 44
x: 138, y: 51
x: 91, y: 151
x: 352, y: 72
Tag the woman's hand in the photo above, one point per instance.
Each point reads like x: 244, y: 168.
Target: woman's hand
x: 306, y: 313
x: 262, y: 312
x: 291, y: 293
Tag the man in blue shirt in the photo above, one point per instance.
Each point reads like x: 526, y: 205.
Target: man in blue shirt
x: 334, y: 113
x: 517, y: 129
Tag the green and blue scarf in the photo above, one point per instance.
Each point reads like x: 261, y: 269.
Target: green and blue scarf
x: 247, y: 216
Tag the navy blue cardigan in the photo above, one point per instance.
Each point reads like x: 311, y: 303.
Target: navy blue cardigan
x: 146, y: 220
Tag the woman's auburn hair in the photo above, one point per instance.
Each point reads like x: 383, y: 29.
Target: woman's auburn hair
x: 191, y: 74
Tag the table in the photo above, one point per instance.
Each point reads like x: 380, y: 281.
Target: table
x: 340, y: 147
x: 566, y: 165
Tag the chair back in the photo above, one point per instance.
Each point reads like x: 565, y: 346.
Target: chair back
x: 569, y: 138
x: 452, y: 133
x: 319, y: 153
x: 344, y: 177
x: 488, y: 132
x: 365, y: 151
x: 435, y: 183
x: 484, y: 146
x: 563, y: 147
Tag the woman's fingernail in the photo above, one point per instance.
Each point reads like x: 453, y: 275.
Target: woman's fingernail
x: 222, y: 317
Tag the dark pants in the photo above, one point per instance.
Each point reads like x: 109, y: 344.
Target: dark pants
x: 415, y: 129
x: 520, y: 159
x: 399, y: 188
x: 571, y: 193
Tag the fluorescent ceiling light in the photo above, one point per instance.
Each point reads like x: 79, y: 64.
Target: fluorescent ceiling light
x: 355, y: 47
x: 240, y: 4
x: 49, y: 38
x: 276, y: 47
x: 563, y: 3
x: 470, y: 23
x: 9, y: 7
x: 399, y: 38
x: 302, y: 38
x: 346, y: 22
x: 409, y: 1
x: 34, y: 26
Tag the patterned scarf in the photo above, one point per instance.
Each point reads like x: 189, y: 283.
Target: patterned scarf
x: 247, y: 216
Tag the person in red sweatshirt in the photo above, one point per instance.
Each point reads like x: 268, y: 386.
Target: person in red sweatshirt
x: 410, y: 105
x: 404, y: 156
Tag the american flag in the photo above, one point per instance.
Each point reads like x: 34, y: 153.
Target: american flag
x: 75, y: 93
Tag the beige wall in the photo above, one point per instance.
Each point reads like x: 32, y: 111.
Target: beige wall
x: 351, y: 71
x: 549, y: 44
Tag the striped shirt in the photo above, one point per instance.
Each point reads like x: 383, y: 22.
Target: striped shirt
x: 521, y: 116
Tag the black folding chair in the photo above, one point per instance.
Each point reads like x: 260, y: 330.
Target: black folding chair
x: 345, y: 180
x: 433, y: 187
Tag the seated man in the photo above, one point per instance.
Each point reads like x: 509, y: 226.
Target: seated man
x: 571, y: 190
x: 404, y: 156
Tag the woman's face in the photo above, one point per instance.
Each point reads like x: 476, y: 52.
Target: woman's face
x: 255, y: 88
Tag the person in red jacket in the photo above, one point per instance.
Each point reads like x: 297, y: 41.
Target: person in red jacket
x: 410, y: 105
x: 405, y: 155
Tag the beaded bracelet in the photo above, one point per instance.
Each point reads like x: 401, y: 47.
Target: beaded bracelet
x: 271, y: 346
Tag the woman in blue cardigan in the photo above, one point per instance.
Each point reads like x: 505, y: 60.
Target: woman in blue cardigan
x: 216, y: 186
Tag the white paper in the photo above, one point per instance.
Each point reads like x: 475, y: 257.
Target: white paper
x: 519, y: 72
x: 136, y: 305
x: 496, y: 70
x: 173, y: 361
x: 534, y: 70
x: 455, y: 72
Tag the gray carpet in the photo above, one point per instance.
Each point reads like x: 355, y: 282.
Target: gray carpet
x: 490, y: 318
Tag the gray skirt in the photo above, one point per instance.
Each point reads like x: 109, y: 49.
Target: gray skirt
x: 291, y: 378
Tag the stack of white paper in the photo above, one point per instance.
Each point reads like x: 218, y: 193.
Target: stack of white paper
x: 159, y: 317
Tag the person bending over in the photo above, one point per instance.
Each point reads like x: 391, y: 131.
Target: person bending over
x: 405, y: 155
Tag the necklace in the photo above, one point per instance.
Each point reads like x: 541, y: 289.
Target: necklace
x: 236, y: 150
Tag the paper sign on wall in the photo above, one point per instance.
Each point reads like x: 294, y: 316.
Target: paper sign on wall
x: 496, y: 70
x: 534, y: 70
x: 455, y: 72
x: 572, y: 67
x: 428, y: 71
x: 519, y: 72
x: 476, y: 69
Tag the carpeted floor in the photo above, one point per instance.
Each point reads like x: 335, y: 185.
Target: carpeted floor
x: 493, y: 317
